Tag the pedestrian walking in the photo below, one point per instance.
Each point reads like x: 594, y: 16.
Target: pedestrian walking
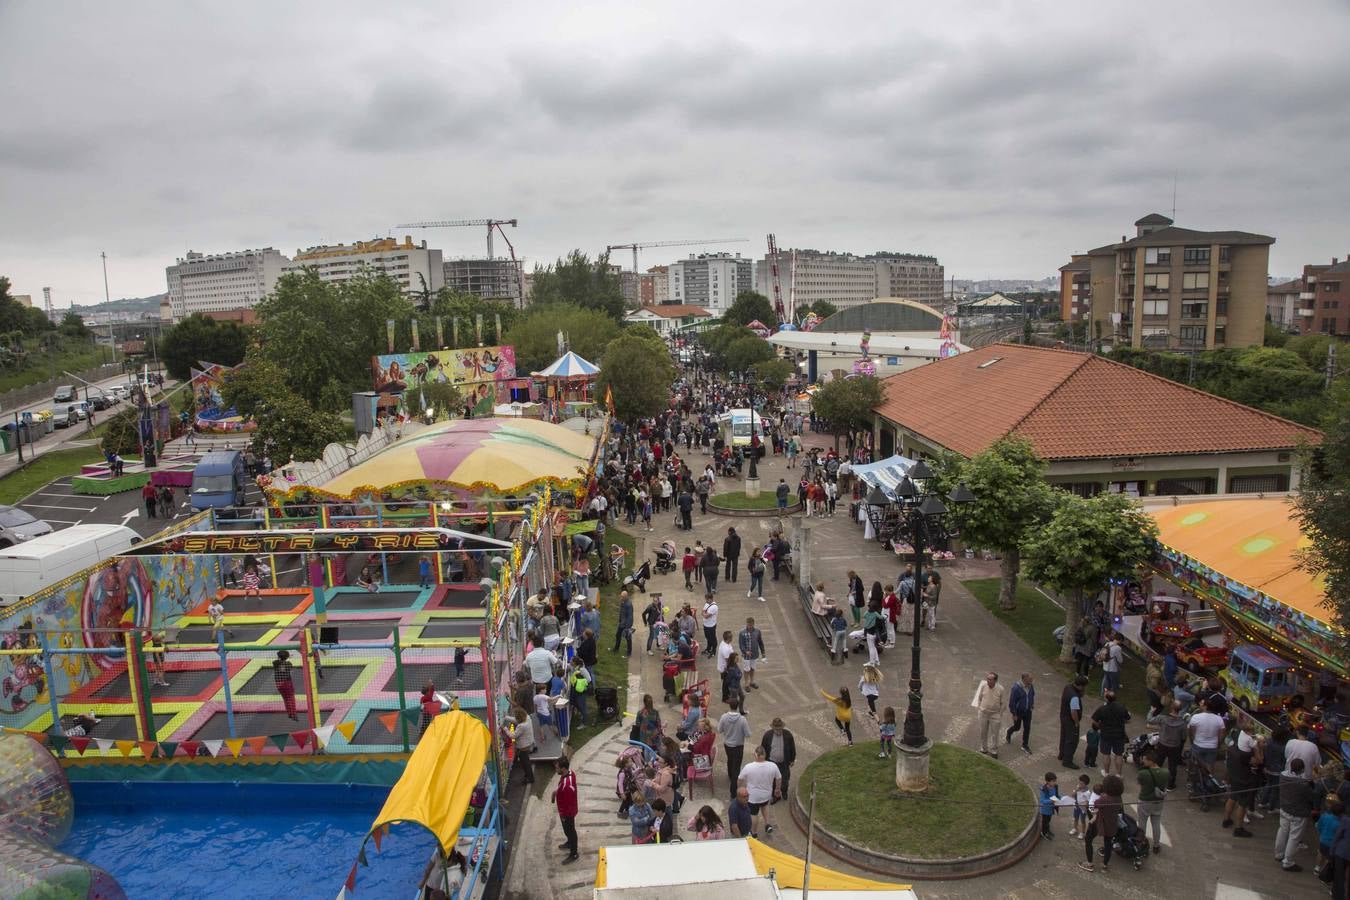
x: 1105, y: 818
x: 150, y: 496
x: 1171, y: 738
x: 565, y: 799
x: 725, y: 650
x: 751, y: 645
x: 1021, y: 702
x: 652, y: 615
x: 1110, y: 718
x: 763, y: 784
x: 988, y: 703
x: 756, y: 569
x: 624, y: 630
x: 869, y: 686
x: 735, y: 730
x: 731, y: 554
x: 711, y: 566
x: 1152, y: 780
x: 1049, y: 795
x: 780, y: 748
x: 857, y: 596
x: 709, y: 616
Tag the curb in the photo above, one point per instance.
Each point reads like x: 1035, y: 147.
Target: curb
x: 987, y: 863
x: 794, y: 507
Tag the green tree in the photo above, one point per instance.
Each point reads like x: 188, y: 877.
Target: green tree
x: 449, y: 305
x: 1275, y: 336
x: 201, y: 339
x: 1323, y: 504
x: 846, y: 404
x: 579, y: 282
x: 640, y: 373
x: 717, y: 340
x: 289, y: 427
x: 748, y: 307
x: 1312, y: 349
x: 535, y: 335
x: 120, y: 434
x: 822, y: 308
x: 744, y: 352
x: 1012, y: 500
x: 1083, y: 545
x: 442, y: 397
x: 72, y: 325
x: 773, y: 373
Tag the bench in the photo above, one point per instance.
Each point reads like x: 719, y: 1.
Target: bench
x: 819, y: 624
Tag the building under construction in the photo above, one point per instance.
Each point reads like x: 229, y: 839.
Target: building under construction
x: 491, y: 279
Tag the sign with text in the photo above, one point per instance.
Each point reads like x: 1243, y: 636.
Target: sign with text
x: 330, y: 540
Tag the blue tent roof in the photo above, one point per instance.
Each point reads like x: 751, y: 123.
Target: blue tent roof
x: 886, y: 474
x: 569, y: 365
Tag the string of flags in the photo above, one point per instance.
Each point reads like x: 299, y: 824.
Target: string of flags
x: 232, y: 747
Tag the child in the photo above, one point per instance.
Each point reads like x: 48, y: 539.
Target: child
x: 843, y: 712
x: 887, y: 732
x: 543, y: 710
x: 424, y: 571
x: 461, y: 653
x: 216, y: 612
x: 315, y: 653
x: 698, y: 557
x: 1327, y: 824
x: 1049, y: 794
x: 1082, y: 806
x: 869, y: 685
x: 690, y: 566
x: 1094, y: 740
x: 251, y: 577
x: 839, y: 650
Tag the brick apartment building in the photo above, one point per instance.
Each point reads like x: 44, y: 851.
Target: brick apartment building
x: 1324, y: 298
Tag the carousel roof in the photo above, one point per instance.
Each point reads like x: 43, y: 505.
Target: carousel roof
x: 495, y: 454
x: 569, y: 365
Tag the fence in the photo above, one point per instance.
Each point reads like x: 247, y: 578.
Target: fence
x: 33, y: 393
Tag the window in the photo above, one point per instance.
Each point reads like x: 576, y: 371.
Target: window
x: 1157, y: 256
x: 1223, y: 254
x: 1155, y: 307
x: 1195, y: 310
x: 1195, y: 281
x: 1195, y: 256
x: 1331, y: 287
x: 1221, y: 306
x: 1157, y: 281
x: 1192, y: 335
x: 1220, y: 334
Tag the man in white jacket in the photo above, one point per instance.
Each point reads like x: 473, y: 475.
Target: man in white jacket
x: 989, y: 705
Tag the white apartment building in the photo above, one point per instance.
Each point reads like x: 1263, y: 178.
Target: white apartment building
x: 660, y: 276
x: 845, y: 280
x: 710, y: 280
x: 413, y: 266
x: 211, y: 282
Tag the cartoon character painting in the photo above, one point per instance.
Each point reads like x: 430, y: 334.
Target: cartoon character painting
x: 21, y: 677
x: 116, y: 598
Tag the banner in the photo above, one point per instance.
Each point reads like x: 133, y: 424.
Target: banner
x: 389, y: 331
x: 440, y: 332
x: 478, y: 329
x: 497, y: 318
x: 211, y: 414
x: 416, y: 343
x: 330, y: 540
x: 481, y: 373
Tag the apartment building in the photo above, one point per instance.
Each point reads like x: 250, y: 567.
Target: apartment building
x: 710, y: 280
x: 1178, y: 288
x: 491, y: 279
x: 848, y: 280
x: 214, y: 282
x: 1324, y: 298
x: 659, y: 277
x: 415, y: 267
x: 1075, y: 289
x: 1282, y: 305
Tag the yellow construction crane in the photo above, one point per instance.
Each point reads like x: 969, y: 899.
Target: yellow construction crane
x: 490, y: 224
x: 638, y: 246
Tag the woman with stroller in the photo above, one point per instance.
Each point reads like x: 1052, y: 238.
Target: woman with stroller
x: 1105, y: 819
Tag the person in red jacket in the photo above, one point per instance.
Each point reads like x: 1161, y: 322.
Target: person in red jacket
x: 565, y: 798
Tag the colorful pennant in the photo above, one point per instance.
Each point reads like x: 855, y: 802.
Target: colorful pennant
x: 256, y: 744
x: 147, y: 748
x: 234, y: 745
x: 169, y: 748
x: 80, y: 744
x: 389, y: 720
x: 322, y: 735
x: 125, y: 747
x: 213, y: 747
x: 279, y: 740
x: 301, y: 738
x: 347, y: 729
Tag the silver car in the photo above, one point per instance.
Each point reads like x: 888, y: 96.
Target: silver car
x: 17, y: 526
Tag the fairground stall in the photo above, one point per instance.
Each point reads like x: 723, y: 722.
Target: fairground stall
x: 568, y: 387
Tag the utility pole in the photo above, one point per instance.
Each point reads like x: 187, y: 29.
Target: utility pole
x: 107, y: 298
x: 1331, y: 363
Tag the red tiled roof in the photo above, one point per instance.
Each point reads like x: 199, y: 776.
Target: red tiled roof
x: 1074, y: 406
x: 674, y: 310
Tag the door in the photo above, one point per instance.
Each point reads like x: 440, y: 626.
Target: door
x: 887, y: 443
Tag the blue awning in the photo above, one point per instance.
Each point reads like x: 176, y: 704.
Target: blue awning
x: 886, y: 474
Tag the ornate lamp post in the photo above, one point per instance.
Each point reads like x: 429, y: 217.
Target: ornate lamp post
x: 923, y: 523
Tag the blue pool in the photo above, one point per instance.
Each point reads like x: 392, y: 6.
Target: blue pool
x: 247, y: 841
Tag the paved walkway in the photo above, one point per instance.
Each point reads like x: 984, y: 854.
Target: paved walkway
x: 1199, y: 859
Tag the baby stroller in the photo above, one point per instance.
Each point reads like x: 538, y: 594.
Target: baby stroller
x: 638, y: 577
x: 1202, y: 785
x: 1142, y: 744
x: 1130, y: 842
x: 669, y: 672
x: 662, y: 631
x: 665, y: 558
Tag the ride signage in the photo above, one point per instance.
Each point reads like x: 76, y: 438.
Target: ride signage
x: 323, y: 540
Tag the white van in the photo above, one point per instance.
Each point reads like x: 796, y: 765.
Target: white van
x: 29, y: 567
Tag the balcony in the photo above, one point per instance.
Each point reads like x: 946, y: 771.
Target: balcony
x: 1307, y: 295
x: 1305, y: 312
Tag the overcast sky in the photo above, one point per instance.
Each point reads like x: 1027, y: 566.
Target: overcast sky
x: 997, y: 136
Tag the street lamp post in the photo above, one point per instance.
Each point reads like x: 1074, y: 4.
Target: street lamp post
x: 922, y: 521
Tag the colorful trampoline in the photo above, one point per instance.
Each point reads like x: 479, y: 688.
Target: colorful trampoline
x: 492, y: 455
x: 1241, y: 556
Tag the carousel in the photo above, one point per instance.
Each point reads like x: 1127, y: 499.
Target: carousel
x: 568, y: 387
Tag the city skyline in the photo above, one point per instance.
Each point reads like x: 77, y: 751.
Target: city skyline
x: 998, y: 141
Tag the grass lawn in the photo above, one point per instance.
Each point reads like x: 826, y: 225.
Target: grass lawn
x: 738, y: 500
x: 49, y: 467
x: 611, y: 668
x: 974, y: 805
x: 42, y: 365
x: 1035, y: 621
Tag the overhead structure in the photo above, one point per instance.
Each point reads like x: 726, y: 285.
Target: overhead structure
x: 777, y: 284
x: 490, y: 224
x: 643, y: 245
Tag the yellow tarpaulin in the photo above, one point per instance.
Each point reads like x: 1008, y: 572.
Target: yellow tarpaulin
x: 788, y: 871
x: 442, y: 772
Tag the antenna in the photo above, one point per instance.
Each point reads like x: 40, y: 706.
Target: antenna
x: 1174, y: 195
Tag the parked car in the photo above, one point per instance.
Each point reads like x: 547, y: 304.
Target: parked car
x: 62, y: 417
x: 99, y: 400
x: 64, y: 394
x: 17, y: 526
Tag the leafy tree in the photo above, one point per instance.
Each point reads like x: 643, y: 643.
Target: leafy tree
x: 449, y: 305
x: 773, y: 373
x: 72, y: 325
x: 198, y: 339
x: 748, y: 307
x: 1275, y: 336
x: 120, y: 434
x: 1323, y: 504
x: 717, y: 340
x: 1084, y: 544
x: 442, y: 397
x: 744, y: 352
x: 640, y: 373
x: 1012, y: 500
x: 647, y: 333
x: 289, y: 427
x: 1312, y: 349
x: 846, y: 404
x: 535, y: 335
x: 579, y: 282
x: 822, y: 308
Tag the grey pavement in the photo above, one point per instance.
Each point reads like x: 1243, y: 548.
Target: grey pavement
x: 1199, y: 858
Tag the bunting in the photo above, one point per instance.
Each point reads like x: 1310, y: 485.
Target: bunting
x: 213, y: 747
x: 279, y: 740
x: 234, y: 745
x: 125, y: 747
x: 322, y: 735
x: 147, y: 748
x: 301, y: 738
x: 256, y: 744
x: 104, y: 744
x: 389, y: 720
x: 350, y: 883
x: 80, y: 744
x: 347, y: 729
x: 57, y: 742
x: 169, y: 748
x: 190, y: 748
x: 378, y: 836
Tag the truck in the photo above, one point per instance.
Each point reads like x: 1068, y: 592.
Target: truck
x: 44, y: 560
x: 218, y: 480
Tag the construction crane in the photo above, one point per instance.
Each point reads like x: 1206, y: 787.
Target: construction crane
x: 640, y: 246
x: 461, y: 223
x: 777, y: 285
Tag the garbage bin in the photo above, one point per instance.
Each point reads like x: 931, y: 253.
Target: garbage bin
x: 28, y: 432
x: 7, y: 438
